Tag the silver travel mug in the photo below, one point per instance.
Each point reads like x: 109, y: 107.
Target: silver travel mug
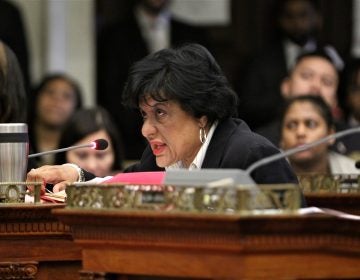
x: 14, y: 151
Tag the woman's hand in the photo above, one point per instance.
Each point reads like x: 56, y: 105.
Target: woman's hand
x: 58, y: 175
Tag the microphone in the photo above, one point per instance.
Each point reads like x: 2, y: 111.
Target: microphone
x: 301, y: 148
x: 99, y: 144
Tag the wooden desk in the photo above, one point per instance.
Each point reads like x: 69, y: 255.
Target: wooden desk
x: 215, y: 246
x: 36, y: 245
x: 346, y: 202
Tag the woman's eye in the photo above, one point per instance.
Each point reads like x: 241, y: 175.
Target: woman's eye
x: 311, y: 124
x: 100, y: 156
x: 160, y: 113
x: 82, y: 156
x: 291, y: 125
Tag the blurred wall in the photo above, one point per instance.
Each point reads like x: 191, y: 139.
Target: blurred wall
x: 60, y: 35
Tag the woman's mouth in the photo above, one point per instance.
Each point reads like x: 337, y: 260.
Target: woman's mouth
x: 157, y: 148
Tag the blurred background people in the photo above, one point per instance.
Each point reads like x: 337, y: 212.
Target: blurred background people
x: 306, y: 119
x: 53, y: 103
x: 315, y: 73
x: 13, y: 33
x: 149, y: 27
x: 298, y: 22
x: 352, y: 93
x: 351, y: 100
x: 12, y: 91
x: 84, y: 127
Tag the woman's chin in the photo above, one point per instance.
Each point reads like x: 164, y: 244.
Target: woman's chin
x: 302, y: 159
x: 161, y: 162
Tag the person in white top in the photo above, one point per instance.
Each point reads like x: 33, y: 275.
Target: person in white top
x: 306, y: 119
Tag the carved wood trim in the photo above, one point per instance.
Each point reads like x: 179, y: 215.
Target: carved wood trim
x: 211, y: 232
x: 29, y: 219
x: 18, y: 270
x: 40, y: 227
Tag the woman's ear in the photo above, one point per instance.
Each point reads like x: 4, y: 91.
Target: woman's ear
x: 203, y: 121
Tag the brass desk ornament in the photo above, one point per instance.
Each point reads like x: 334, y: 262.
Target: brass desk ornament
x: 14, y: 192
x: 195, y: 199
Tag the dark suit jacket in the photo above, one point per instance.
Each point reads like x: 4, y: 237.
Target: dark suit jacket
x: 259, y: 91
x: 119, y: 46
x: 234, y: 145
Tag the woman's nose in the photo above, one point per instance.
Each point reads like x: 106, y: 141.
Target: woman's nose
x: 148, y: 129
x: 91, y: 165
x: 301, y: 130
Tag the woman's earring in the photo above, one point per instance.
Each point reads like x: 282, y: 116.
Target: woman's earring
x: 203, y: 135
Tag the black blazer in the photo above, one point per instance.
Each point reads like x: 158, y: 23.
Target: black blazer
x: 234, y: 145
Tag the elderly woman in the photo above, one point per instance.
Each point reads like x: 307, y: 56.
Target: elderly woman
x: 187, y: 107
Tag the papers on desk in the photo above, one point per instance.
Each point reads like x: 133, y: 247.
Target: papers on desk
x: 58, y: 197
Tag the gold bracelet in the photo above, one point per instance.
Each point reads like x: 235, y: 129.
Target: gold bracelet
x: 81, y: 175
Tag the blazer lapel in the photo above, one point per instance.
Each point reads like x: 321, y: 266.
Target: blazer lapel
x: 218, y: 144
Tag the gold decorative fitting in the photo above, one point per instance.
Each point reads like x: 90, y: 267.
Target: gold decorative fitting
x: 197, y: 199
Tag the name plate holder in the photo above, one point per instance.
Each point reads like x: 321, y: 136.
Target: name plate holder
x: 239, y: 199
x: 329, y: 183
x: 14, y: 192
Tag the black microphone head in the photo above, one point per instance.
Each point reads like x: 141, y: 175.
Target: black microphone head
x: 100, y: 144
x: 357, y: 164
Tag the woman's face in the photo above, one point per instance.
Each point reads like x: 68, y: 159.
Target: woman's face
x: 173, y: 134
x: 97, y: 162
x: 304, y: 124
x: 56, y: 103
x: 313, y: 75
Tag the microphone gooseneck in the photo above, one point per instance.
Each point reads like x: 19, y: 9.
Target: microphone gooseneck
x: 290, y: 152
x: 99, y: 144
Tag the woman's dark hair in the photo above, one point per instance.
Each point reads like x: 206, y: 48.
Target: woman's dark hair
x: 188, y: 75
x: 12, y: 91
x: 318, y: 102
x: 88, y: 121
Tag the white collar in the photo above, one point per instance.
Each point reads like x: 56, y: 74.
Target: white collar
x: 146, y: 22
x: 292, y: 51
x: 198, y: 160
